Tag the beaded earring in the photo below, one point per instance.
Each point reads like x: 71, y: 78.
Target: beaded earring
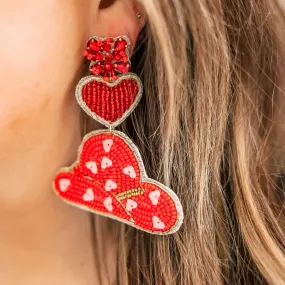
x: 109, y: 177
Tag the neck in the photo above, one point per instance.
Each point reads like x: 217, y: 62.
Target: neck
x: 43, y: 240
x: 49, y: 244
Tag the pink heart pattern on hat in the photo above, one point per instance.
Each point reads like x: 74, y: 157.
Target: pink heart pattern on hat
x: 109, y: 179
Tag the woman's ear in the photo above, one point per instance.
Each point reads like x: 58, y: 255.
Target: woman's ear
x: 118, y: 17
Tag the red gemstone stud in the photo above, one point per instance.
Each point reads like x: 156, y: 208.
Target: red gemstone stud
x: 109, y: 57
x: 109, y: 177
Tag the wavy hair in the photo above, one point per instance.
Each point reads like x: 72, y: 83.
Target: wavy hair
x: 210, y: 69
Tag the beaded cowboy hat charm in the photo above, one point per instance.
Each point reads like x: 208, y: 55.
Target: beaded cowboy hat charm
x: 109, y: 177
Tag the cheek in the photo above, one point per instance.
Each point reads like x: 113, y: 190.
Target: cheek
x: 40, y: 52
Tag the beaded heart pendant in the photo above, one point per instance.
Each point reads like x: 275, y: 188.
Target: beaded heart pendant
x: 109, y: 177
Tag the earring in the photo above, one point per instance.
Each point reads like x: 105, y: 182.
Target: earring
x: 109, y: 177
x: 138, y: 15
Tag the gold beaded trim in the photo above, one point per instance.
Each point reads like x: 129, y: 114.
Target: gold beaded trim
x: 130, y: 193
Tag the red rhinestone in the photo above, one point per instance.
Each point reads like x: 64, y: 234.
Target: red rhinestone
x: 96, y: 69
x: 122, y: 53
x: 125, y: 59
x: 109, y: 40
x: 122, y: 67
x: 98, y: 56
x: 107, y: 47
x: 108, y: 57
x: 117, y: 57
x: 120, y: 45
x: 90, y: 56
x: 108, y: 66
x: 93, y: 45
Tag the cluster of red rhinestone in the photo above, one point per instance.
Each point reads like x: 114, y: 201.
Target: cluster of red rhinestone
x: 109, y: 57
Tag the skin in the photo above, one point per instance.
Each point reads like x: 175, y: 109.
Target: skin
x: 43, y: 240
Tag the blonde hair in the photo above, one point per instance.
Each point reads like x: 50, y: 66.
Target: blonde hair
x: 209, y: 69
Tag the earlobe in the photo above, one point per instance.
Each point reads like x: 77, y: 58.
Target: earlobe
x: 116, y: 18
